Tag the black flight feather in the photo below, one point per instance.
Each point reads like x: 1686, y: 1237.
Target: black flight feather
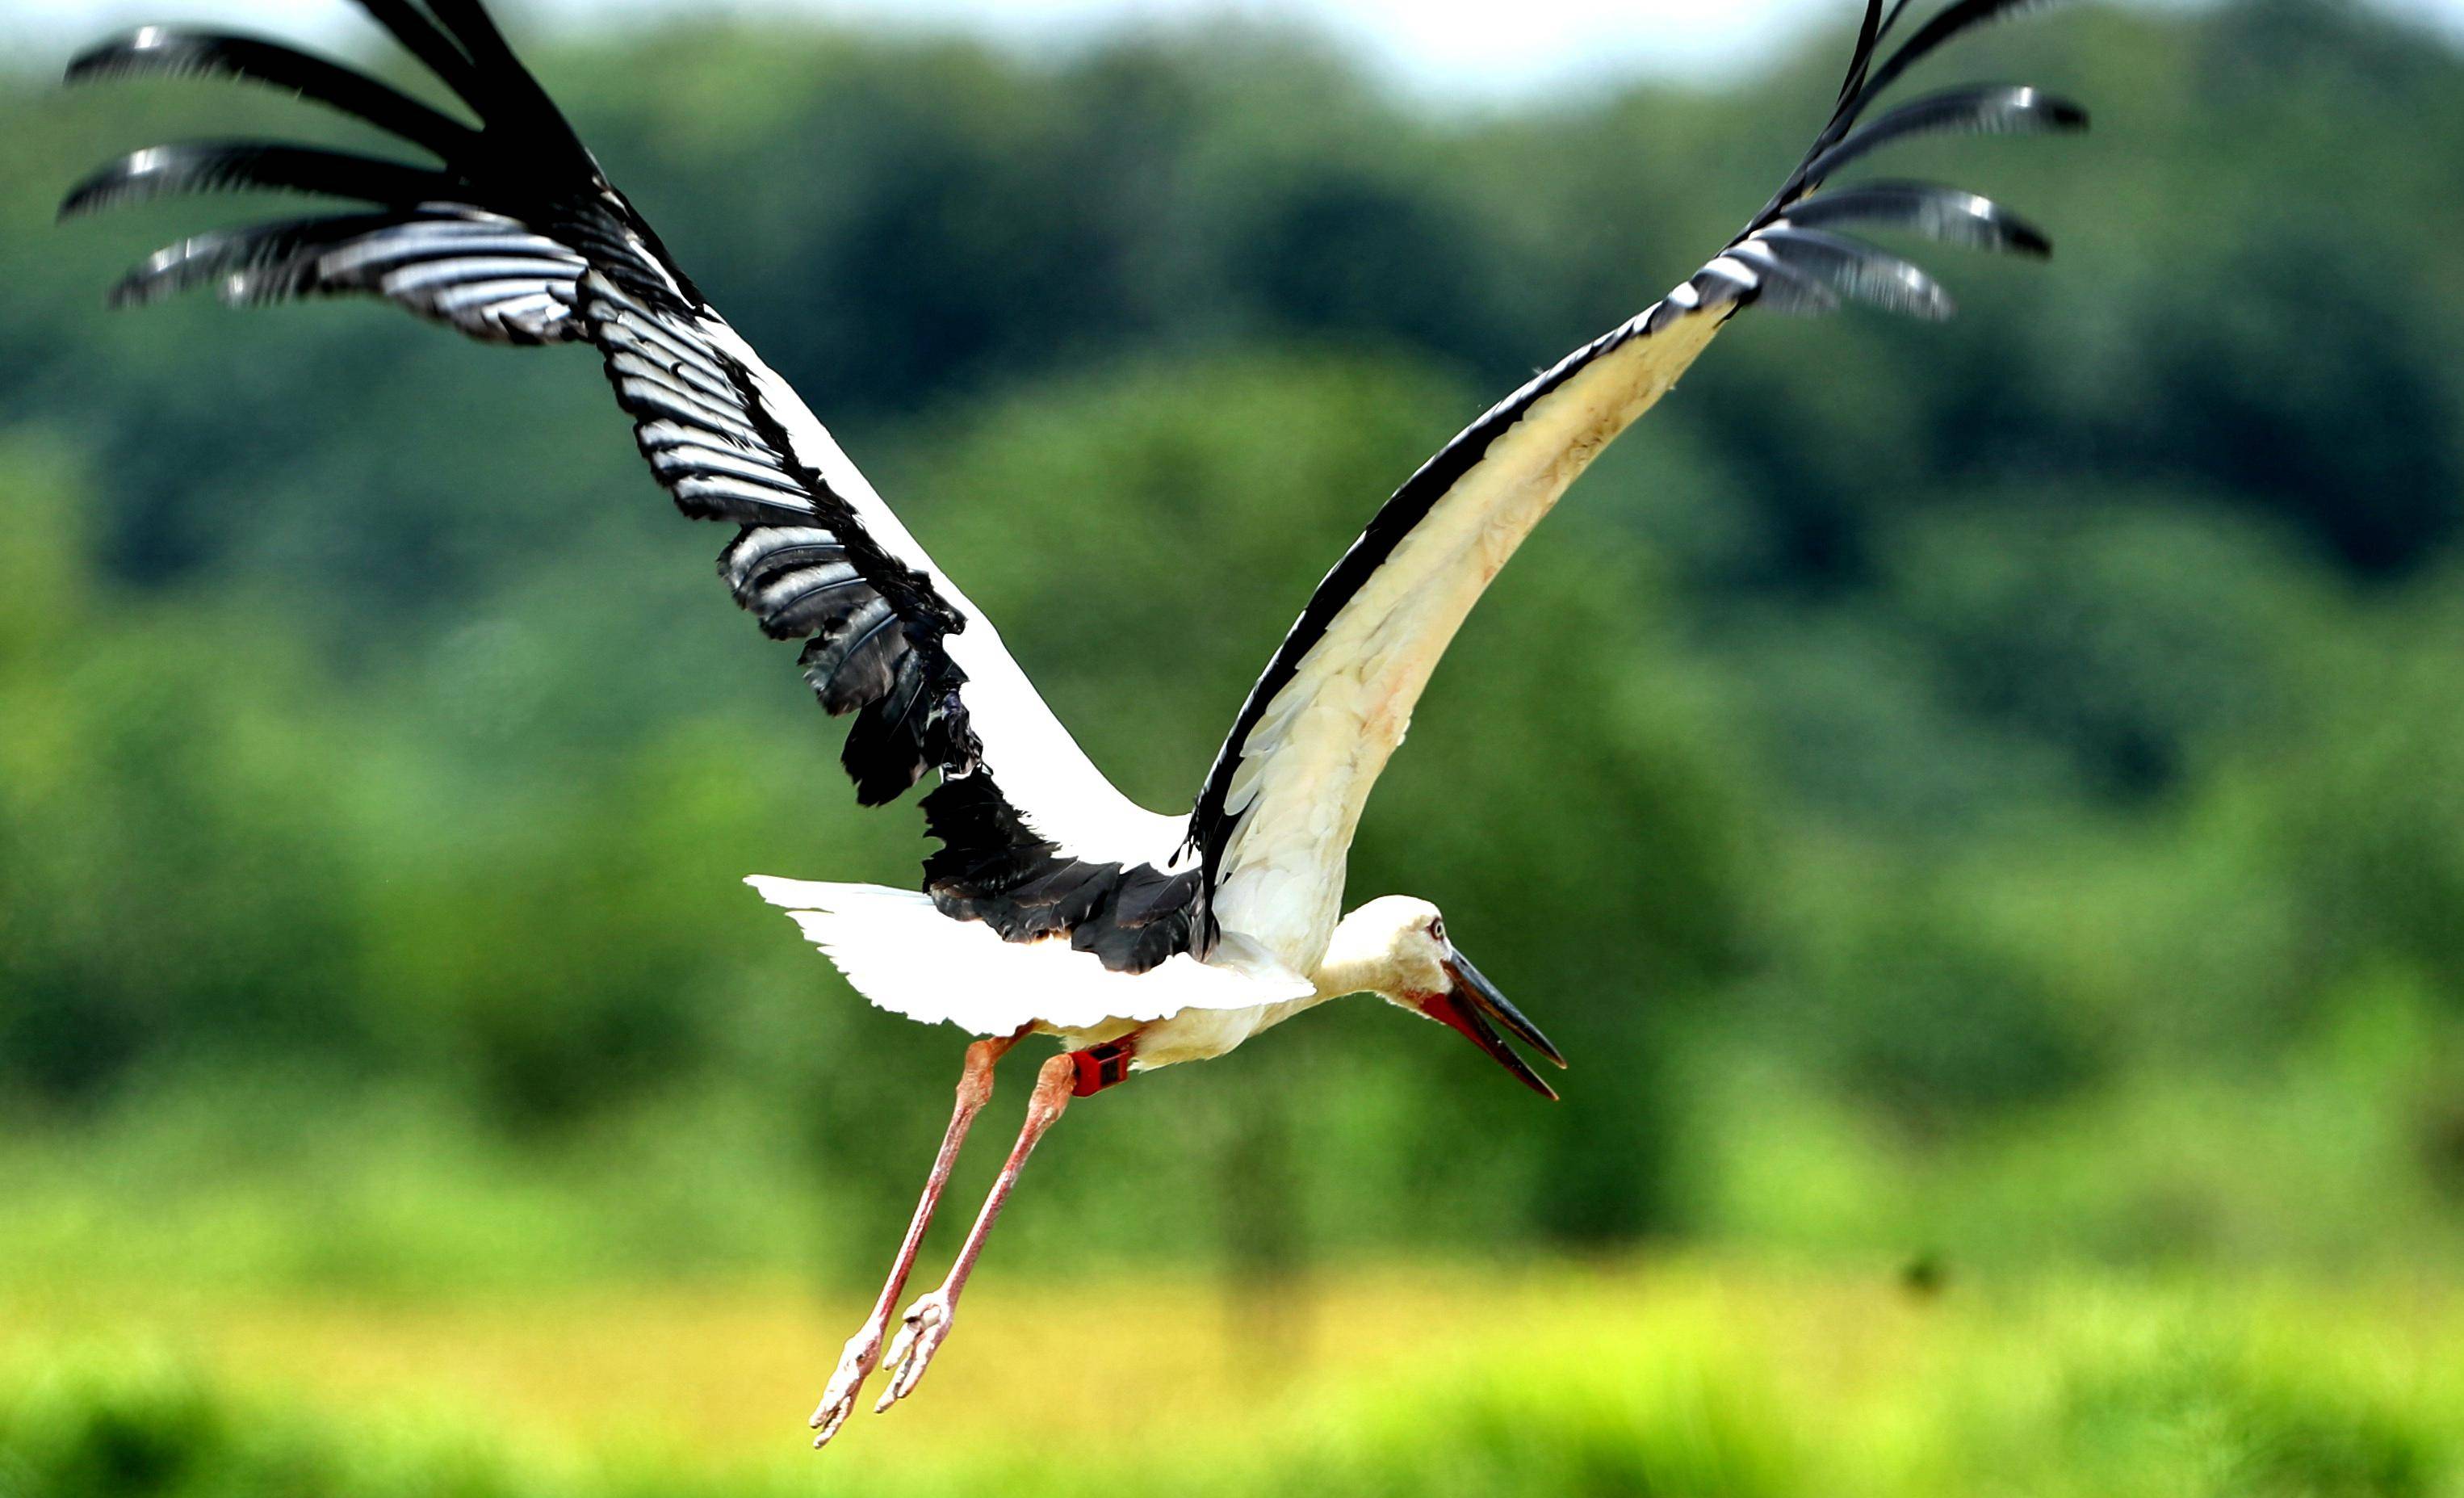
x: 1858, y: 269
x: 1936, y: 212
x: 163, y: 52
x: 230, y: 165
x: 1984, y: 109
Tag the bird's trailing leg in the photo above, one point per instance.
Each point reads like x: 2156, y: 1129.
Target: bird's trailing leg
x: 863, y: 1353
x: 927, y: 1321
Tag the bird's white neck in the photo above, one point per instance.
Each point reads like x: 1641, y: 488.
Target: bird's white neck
x: 1360, y: 959
x: 1389, y: 947
x: 1354, y: 963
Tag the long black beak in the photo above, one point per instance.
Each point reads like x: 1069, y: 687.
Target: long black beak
x: 1468, y: 1007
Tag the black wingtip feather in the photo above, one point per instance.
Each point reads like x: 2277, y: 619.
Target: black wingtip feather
x: 469, y: 24
x: 1855, y: 268
x: 1869, y: 34
x: 173, y: 52
x: 1961, y: 16
x: 512, y: 92
x: 1946, y: 214
x: 423, y: 39
x: 252, y: 252
x: 1782, y: 286
x: 1979, y: 109
x: 231, y: 166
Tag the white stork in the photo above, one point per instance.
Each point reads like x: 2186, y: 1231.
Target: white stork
x: 1054, y: 905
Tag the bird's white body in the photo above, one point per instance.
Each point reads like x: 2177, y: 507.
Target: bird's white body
x: 1184, y: 1010
x: 898, y: 950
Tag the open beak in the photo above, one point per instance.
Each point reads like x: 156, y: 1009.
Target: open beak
x: 1471, y: 1004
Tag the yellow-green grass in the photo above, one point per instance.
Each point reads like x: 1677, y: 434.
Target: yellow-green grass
x: 1692, y: 1377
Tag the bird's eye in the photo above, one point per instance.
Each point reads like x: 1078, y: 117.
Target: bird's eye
x: 1438, y: 928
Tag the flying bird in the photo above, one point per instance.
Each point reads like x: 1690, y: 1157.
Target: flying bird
x: 1053, y: 906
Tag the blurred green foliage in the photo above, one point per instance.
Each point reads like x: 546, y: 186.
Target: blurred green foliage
x: 1991, y: 789
x: 2100, y: 1388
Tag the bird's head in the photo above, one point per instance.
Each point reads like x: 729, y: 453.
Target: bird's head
x: 1396, y: 947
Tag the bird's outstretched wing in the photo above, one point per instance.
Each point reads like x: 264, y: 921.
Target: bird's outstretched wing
x: 1275, y: 820
x: 515, y: 237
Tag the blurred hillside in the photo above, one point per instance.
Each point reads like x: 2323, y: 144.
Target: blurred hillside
x: 1992, y: 791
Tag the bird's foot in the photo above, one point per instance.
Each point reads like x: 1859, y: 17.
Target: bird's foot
x: 863, y: 1355
x: 920, y: 1335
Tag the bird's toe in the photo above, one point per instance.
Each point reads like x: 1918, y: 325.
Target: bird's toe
x: 921, y: 1333
x: 856, y: 1363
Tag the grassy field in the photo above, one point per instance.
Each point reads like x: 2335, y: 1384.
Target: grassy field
x: 1693, y: 1376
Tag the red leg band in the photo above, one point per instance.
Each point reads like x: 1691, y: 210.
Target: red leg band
x: 1099, y: 1067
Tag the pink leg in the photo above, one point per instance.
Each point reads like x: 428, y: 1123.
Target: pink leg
x: 863, y: 1351
x: 927, y: 1321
